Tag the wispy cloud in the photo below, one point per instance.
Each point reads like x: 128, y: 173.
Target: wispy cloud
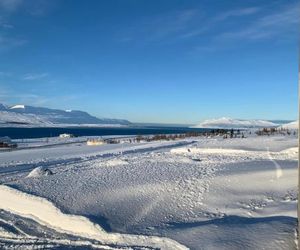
x: 7, y: 42
x: 24, y: 98
x: 10, y: 97
x: 236, y: 13
x: 32, y: 7
x: 6, y: 25
x: 285, y: 20
x: 10, y: 5
x: 32, y: 77
x: 158, y: 28
x: 8, y: 9
x: 211, y: 22
x: 5, y: 74
x: 213, y: 31
x: 183, y: 24
x: 276, y: 22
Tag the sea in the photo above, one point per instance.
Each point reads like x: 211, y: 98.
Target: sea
x: 26, y: 133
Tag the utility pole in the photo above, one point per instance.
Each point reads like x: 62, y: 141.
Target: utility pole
x: 298, y: 155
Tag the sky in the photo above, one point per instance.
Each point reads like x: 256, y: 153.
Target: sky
x: 165, y: 61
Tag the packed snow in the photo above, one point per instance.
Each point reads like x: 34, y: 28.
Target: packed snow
x: 229, y: 123
x: 195, y: 193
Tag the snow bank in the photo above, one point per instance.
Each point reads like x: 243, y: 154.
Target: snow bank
x: 45, y: 213
x: 290, y: 151
x: 228, y: 123
x: 207, y: 151
x: 40, y: 171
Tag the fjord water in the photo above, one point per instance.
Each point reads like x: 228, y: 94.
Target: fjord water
x: 22, y: 133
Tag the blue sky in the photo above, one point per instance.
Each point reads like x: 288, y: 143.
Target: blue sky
x: 164, y: 61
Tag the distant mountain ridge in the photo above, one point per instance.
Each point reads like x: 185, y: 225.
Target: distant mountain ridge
x: 23, y: 114
x: 290, y: 125
x: 229, y: 123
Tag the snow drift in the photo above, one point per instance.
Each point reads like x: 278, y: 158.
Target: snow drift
x: 44, y: 212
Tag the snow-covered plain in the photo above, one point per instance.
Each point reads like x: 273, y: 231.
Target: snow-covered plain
x: 198, y: 193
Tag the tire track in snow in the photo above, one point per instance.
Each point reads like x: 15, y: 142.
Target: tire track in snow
x: 279, y: 172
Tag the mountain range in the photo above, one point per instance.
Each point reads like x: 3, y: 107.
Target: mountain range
x: 24, y: 115
x: 229, y: 123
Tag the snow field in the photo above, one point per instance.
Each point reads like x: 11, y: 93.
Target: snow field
x: 206, y: 193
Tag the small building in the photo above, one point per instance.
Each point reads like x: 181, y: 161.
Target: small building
x: 6, y: 142
x: 64, y: 136
x: 111, y: 141
x: 95, y: 142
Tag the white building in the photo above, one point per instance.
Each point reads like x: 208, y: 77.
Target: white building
x: 66, y: 136
x: 95, y: 142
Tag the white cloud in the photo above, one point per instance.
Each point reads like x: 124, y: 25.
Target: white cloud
x: 32, y: 77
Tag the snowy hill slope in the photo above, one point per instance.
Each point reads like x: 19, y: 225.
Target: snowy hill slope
x: 228, y: 123
x: 45, y: 116
x: 13, y: 118
x: 291, y: 125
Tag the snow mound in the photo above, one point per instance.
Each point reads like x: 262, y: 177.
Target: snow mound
x: 116, y: 162
x: 228, y: 123
x: 40, y: 171
x: 291, y: 125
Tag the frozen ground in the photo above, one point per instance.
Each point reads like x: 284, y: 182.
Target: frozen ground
x: 201, y: 193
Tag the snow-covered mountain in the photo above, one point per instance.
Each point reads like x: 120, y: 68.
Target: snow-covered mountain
x: 291, y: 125
x: 40, y: 116
x: 228, y: 123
